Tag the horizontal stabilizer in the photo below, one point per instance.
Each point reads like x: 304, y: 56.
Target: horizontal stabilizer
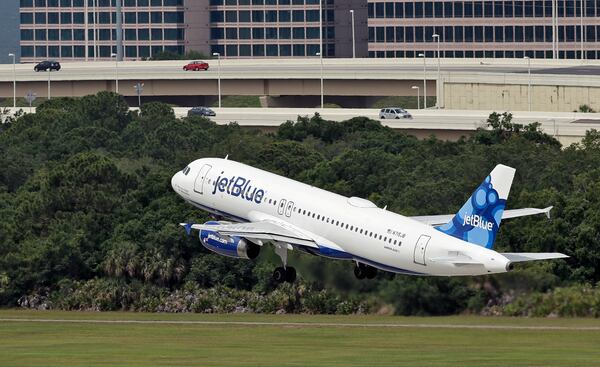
x: 436, y: 220
x: 456, y: 260
x: 514, y: 213
x: 532, y: 256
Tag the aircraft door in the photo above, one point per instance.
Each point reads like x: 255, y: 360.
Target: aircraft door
x: 288, y: 210
x: 281, y: 208
x: 201, y: 178
x: 420, y: 248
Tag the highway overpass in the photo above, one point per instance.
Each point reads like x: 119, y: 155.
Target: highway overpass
x: 567, y: 127
x: 464, y: 83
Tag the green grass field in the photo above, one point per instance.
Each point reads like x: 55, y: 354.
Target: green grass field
x: 305, y: 342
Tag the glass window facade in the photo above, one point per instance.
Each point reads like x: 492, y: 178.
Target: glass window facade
x: 511, y: 29
x: 57, y: 28
x: 271, y: 28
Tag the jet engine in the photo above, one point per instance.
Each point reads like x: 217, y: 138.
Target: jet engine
x: 233, y: 246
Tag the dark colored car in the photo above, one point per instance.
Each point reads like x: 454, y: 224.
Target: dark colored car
x: 47, y: 65
x: 196, y: 65
x: 201, y: 111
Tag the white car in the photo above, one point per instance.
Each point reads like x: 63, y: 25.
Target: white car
x: 394, y: 113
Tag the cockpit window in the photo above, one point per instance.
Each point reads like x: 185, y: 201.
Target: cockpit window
x: 186, y: 170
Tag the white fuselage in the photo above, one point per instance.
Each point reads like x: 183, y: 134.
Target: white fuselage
x: 352, y: 226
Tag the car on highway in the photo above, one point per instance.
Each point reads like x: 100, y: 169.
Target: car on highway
x: 201, y: 111
x: 196, y: 66
x: 47, y: 65
x: 394, y: 113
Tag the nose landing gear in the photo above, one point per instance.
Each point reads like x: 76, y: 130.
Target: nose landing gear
x: 362, y: 271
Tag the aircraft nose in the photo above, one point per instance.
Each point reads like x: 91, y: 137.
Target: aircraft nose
x: 175, y: 180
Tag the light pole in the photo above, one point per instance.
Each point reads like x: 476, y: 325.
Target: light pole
x: 139, y: 88
x: 418, y: 97
x: 353, y: 35
x: 321, y: 28
x: 581, y: 26
x: 14, y: 80
x: 49, y: 72
x: 437, y: 83
x: 321, y: 59
x: 528, y: 81
x: 116, y: 72
x: 424, y: 81
x: 218, y: 55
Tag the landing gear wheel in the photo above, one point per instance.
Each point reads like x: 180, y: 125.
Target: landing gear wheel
x: 371, y: 272
x: 290, y: 274
x: 360, y: 272
x: 279, y: 275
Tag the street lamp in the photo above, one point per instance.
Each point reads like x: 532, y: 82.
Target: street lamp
x: 353, y: 36
x: 528, y: 81
x: 49, y: 70
x: 116, y: 72
x: 437, y: 83
x: 418, y: 97
x: 321, y: 59
x: 218, y: 55
x: 424, y: 81
x: 14, y: 81
x: 582, y: 33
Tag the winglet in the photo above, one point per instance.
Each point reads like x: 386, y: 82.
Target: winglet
x: 188, y: 227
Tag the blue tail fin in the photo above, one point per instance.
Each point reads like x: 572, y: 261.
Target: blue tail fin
x: 479, y: 218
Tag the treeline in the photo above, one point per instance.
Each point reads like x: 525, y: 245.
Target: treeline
x: 89, y: 220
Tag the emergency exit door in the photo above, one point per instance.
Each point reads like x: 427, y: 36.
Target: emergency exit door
x: 420, y: 248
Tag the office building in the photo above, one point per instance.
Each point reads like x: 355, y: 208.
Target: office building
x: 86, y: 29
x: 490, y: 29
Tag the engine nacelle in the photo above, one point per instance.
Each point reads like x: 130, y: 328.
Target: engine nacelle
x: 228, y: 246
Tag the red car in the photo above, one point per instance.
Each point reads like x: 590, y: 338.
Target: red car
x: 196, y: 65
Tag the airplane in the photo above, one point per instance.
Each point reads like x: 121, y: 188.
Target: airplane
x: 263, y: 207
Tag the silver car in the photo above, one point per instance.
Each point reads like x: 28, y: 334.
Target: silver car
x: 394, y: 113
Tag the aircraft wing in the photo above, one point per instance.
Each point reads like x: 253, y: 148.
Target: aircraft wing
x: 264, y: 230
x: 437, y: 220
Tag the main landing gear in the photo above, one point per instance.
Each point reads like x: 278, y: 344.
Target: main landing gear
x: 283, y: 273
x: 362, y: 271
x: 287, y: 274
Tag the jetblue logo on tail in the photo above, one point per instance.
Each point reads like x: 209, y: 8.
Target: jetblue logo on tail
x: 477, y: 221
x: 238, y: 187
